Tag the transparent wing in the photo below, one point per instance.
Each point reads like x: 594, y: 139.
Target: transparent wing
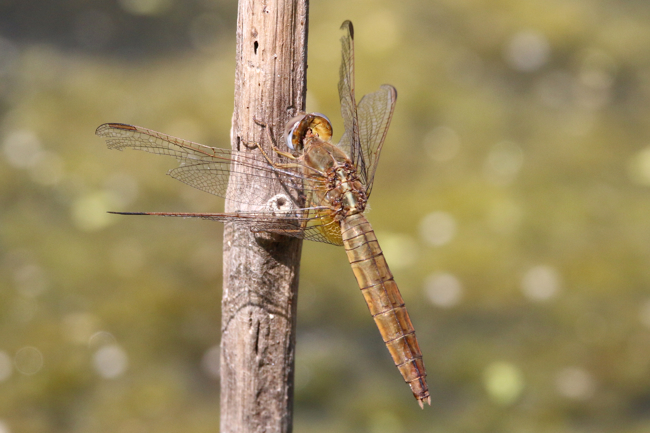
x: 350, y: 139
x: 375, y: 113
x: 366, y: 125
x: 209, y: 168
x: 291, y: 209
x: 310, y: 228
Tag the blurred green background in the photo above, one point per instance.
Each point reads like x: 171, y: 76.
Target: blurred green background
x: 512, y: 201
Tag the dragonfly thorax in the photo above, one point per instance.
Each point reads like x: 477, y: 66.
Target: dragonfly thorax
x: 352, y: 196
x: 341, y: 189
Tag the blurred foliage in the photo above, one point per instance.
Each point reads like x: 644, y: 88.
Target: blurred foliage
x: 512, y: 202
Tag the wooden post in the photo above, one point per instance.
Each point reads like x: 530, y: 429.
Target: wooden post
x: 260, y: 280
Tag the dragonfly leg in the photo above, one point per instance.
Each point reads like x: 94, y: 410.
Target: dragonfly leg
x: 279, y: 152
x: 278, y: 164
x: 269, y: 134
x: 250, y: 144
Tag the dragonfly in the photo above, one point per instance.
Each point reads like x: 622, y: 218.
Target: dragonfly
x: 322, y: 195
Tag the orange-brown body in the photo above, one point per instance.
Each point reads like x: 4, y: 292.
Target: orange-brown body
x: 384, y: 302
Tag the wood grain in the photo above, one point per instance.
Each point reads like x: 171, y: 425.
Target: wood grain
x: 260, y: 284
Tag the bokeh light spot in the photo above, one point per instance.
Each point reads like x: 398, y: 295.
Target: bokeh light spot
x: 22, y: 148
x: 28, y: 360
x: 100, y: 339
x: 47, y: 169
x: 504, y: 382
x: 400, y: 250
x: 4, y: 428
x: 438, y: 228
x: 592, y: 89
x: 443, y: 289
x: 540, y: 283
x: 575, y: 383
x: 597, y: 69
x: 527, y: 51
x: 30, y: 280
x: 89, y: 212
x: 211, y: 362
x: 110, y: 361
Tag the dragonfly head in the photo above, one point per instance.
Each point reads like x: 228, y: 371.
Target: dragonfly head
x: 316, y: 124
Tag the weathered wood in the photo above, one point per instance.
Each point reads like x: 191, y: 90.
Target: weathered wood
x: 261, y: 271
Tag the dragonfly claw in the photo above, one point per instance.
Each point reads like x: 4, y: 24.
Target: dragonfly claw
x: 260, y: 122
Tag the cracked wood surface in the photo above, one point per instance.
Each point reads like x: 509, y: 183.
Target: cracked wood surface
x: 261, y: 270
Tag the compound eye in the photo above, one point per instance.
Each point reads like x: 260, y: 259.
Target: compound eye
x: 289, y: 137
x: 327, y: 119
x: 293, y: 132
x: 321, y: 125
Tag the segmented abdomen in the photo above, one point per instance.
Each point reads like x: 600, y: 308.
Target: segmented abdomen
x: 385, y: 302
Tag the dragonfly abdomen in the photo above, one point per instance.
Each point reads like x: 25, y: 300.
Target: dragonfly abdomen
x: 384, y: 302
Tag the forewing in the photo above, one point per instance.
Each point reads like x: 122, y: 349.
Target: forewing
x: 120, y: 136
x: 350, y: 139
x: 209, y: 168
x: 375, y: 112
